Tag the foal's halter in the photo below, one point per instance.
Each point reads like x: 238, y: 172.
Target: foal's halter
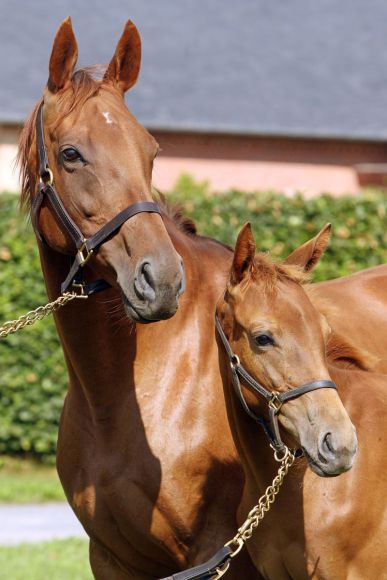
x: 274, y: 399
x: 84, y: 247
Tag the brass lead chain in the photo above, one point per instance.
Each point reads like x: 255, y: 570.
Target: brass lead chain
x: 264, y: 504
x: 34, y: 315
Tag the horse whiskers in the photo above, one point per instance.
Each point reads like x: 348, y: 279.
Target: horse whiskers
x: 122, y: 322
x: 115, y: 308
x: 116, y: 299
x: 117, y: 316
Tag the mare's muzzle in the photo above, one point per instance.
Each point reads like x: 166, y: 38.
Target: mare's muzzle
x: 84, y: 248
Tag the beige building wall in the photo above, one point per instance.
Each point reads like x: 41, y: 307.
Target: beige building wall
x: 287, y: 165
x: 9, y: 137
x: 287, y: 178
x: 244, y: 163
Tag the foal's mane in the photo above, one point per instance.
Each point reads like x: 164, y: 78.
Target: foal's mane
x: 269, y: 272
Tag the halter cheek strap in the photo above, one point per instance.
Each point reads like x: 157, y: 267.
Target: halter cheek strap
x: 274, y: 399
x: 84, y: 247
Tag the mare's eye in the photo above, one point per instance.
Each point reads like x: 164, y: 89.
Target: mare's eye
x: 263, y: 340
x: 71, y: 154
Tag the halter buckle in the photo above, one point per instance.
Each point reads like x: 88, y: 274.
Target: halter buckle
x: 84, y: 254
x: 275, y: 401
x: 79, y: 289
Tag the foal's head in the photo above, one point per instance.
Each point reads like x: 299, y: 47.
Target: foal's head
x: 280, y: 339
x: 101, y: 159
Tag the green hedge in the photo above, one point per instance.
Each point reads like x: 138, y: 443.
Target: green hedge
x: 32, y: 373
x: 280, y: 223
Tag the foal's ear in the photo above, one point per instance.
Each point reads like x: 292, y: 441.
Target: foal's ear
x: 307, y: 255
x: 125, y: 65
x: 63, y: 57
x: 243, y: 255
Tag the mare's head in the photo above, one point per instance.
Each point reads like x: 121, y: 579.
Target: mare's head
x: 280, y: 339
x: 101, y: 159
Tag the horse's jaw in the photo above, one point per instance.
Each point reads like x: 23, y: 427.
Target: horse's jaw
x: 137, y: 313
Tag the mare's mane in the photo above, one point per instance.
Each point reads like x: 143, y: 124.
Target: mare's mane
x: 185, y: 224
x: 175, y: 213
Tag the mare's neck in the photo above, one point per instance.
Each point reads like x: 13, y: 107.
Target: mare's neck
x: 99, y: 341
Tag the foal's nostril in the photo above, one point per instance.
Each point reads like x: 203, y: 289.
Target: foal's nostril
x: 144, y: 283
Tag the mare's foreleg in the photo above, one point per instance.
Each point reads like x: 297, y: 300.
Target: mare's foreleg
x: 105, y: 567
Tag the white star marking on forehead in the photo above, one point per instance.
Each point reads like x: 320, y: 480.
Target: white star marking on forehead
x: 106, y: 114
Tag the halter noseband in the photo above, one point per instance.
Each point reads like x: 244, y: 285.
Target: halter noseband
x: 274, y: 399
x: 84, y: 247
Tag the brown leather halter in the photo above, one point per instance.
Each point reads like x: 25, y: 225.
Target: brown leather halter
x: 84, y: 247
x: 274, y: 399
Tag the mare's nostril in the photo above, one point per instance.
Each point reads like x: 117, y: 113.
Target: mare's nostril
x: 327, y: 449
x: 328, y: 442
x: 147, y: 274
x: 144, y: 283
x: 181, y: 287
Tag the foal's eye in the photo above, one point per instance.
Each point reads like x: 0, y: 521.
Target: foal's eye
x: 263, y: 340
x: 71, y: 154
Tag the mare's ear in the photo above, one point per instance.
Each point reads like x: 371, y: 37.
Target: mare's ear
x: 124, y: 67
x: 243, y: 255
x: 307, y: 255
x: 63, y: 57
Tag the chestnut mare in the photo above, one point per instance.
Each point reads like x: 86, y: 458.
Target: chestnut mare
x: 319, y: 527
x: 140, y: 454
x: 145, y: 454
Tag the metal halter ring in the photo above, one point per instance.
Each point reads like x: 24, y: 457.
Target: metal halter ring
x: 234, y: 361
x: 281, y: 454
x: 239, y: 542
x: 50, y: 179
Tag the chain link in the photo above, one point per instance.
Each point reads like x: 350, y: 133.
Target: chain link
x: 34, y: 315
x: 264, y: 504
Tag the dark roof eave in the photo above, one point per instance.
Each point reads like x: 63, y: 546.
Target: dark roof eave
x: 266, y: 133
x: 9, y: 119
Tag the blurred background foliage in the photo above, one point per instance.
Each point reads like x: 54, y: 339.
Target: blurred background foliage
x: 33, y: 377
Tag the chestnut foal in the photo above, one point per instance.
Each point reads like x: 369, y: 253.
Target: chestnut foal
x: 319, y: 527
